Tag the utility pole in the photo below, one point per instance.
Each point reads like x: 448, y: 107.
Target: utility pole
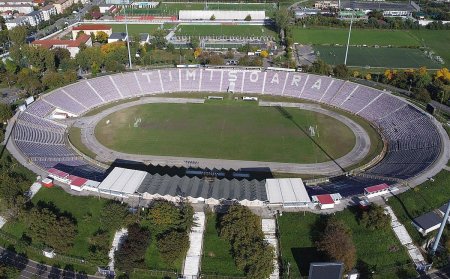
x: 126, y: 31
x: 441, y: 229
x: 348, y: 39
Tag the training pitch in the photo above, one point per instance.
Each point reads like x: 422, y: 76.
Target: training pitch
x: 225, y: 30
x: 234, y: 130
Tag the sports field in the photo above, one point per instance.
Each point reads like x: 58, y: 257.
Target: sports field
x: 228, y: 130
x: 136, y: 28
x: 437, y: 40
x: 225, y: 30
x: 172, y: 9
x: 369, y: 37
x: 376, y: 57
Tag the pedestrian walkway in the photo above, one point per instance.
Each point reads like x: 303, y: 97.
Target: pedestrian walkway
x: 192, y: 262
x: 405, y: 239
x: 118, y: 239
x: 269, y: 230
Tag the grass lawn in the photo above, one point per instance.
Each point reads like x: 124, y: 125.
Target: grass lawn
x: 437, y: 40
x: 75, y: 139
x: 217, y: 259
x: 86, y: 211
x: 244, y: 131
x: 319, y: 36
x: 376, y: 57
x: 172, y: 9
x: 225, y: 30
x: 136, y: 28
x: 422, y: 199
x: 298, y: 233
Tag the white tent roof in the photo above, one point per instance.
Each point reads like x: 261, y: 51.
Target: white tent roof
x: 286, y: 190
x: 122, y: 180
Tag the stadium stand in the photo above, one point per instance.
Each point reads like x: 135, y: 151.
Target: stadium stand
x: 413, y: 141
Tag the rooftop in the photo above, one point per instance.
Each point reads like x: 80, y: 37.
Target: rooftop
x: 83, y: 38
x: 325, y: 270
x: 428, y: 220
x: 325, y: 199
x: 376, y: 188
x: 92, y: 27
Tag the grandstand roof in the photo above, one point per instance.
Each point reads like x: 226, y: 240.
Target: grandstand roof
x: 124, y: 181
x: 286, y: 190
x: 195, y: 187
x: 92, y: 27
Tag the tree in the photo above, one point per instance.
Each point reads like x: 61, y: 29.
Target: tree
x: 443, y: 74
x: 264, y: 54
x: 57, y: 232
x: 173, y: 245
x: 195, y: 43
x: 213, y: 17
x: 5, y: 113
x: 112, y: 216
x: 132, y: 251
x: 164, y: 216
x: 29, y: 81
x: 282, y: 19
x: 62, y: 55
x: 8, y: 271
x: 320, y: 67
x: 337, y: 243
x: 52, y: 80
x: 375, y: 218
x: 2, y: 23
x: 98, y: 248
x: 159, y: 39
x: 248, y: 18
x: 341, y: 71
x: 101, y: 37
x: 18, y: 35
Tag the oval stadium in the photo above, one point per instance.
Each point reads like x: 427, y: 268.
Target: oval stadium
x: 414, y: 146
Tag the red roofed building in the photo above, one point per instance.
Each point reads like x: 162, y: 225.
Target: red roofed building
x: 91, y: 29
x: 73, y: 46
x: 76, y: 183
x: 376, y: 190
x: 327, y: 201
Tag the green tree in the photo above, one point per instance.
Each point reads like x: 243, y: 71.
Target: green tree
x: 341, y: 71
x: 101, y: 37
x: 2, y: 23
x: 132, y: 252
x: 195, y: 42
x: 248, y: 18
x: 5, y: 113
x: 62, y: 55
x: 173, y: 246
x: 159, y: 39
x: 375, y: 218
x: 213, y: 17
x: 320, y: 67
x: 29, y: 81
x: 282, y: 19
x: 7, y: 271
x: 18, y: 35
x: 112, y: 216
x: 99, y: 248
x: 164, y: 216
x: 52, y: 80
x: 337, y: 243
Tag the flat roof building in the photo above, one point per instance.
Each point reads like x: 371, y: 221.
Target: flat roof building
x: 287, y: 192
x: 427, y: 222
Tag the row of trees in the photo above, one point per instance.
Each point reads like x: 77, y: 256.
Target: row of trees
x: 251, y: 253
x: 166, y: 223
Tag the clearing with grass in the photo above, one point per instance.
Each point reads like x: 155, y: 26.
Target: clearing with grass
x: 234, y: 130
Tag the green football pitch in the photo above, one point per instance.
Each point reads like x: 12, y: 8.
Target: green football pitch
x: 225, y: 30
x: 376, y: 57
x: 358, y: 37
x: 227, y: 130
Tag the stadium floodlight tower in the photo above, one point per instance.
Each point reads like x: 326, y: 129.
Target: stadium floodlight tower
x: 348, y: 39
x: 127, y: 2
x: 441, y: 229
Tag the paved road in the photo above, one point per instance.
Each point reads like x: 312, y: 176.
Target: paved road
x: 334, y: 166
x: 32, y: 269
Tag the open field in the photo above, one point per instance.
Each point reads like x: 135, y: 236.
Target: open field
x: 298, y: 233
x: 225, y: 130
x: 225, y: 30
x: 422, y: 199
x: 437, y: 40
x: 172, y: 9
x: 359, y: 37
x: 217, y: 259
x: 376, y: 57
x: 136, y: 28
x: 87, y: 216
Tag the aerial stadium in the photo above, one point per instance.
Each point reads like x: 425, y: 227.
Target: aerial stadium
x: 220, y: 126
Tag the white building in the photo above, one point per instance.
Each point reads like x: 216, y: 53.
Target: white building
x: 377, y: 190
x: 220, y: 15
x: 287, y: 192
x: 48, y: 11
x: 19, y: 21
x: 35, y: 17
